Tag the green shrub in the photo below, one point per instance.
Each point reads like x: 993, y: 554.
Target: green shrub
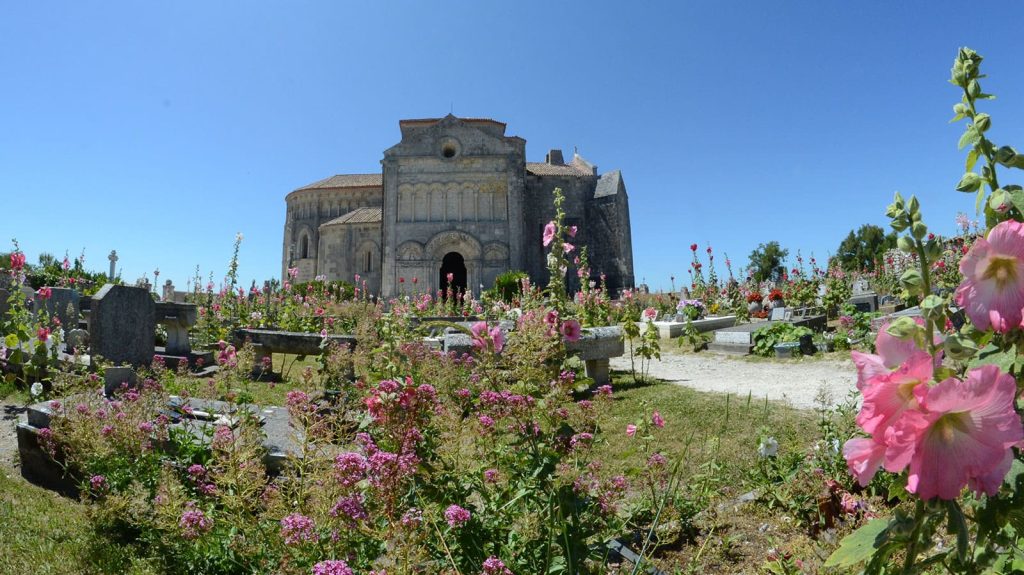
x: 767, y: 337
x: 509, y: 285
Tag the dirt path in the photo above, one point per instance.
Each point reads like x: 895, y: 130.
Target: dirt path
x: 795, y: 381
x: 10, y: 414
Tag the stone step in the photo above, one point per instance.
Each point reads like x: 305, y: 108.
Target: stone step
x: 731, y: 348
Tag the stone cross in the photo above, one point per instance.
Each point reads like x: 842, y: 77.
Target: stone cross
x: 113, y: 263
x: 168, y: 291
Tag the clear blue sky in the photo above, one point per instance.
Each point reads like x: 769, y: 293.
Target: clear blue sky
x: 161, y: 129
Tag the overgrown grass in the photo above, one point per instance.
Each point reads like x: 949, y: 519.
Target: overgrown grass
x: 46, y: 534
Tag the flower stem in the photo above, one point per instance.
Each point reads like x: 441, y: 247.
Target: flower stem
x: 915, y: 536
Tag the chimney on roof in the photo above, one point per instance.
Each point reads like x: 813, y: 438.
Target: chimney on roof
x: 554, y: 158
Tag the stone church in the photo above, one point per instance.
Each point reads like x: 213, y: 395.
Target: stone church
x: 455, y: 196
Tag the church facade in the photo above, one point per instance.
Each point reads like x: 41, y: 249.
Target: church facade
x: 454, y: 196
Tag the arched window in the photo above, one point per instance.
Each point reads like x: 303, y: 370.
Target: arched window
x: 368, y: 267
x: 304, y: 246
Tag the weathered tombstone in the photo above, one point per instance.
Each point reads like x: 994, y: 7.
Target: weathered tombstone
x: 778, y: 314
x: 122, y: 325
x: 861, y: 286
x: 63, y: 304
x: 77, y: 338
x: 168, y: 294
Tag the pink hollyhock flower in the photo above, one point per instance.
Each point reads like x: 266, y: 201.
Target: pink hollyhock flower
x: 888, y: 396
x: 549, y: 234
x: 497, y: 338
x: 892, y: 352
x: 992, y: 292
x: 571, y: 330
x: 657, y: 420
x: 18, y: 261
x: 43, y: 334
x: 631, y: 430
x: 649, y: 314
x: 864, y: 456
x: 572, y: 231
x: 44, y: 293
x: 551, y: 317
x: 964, y: 437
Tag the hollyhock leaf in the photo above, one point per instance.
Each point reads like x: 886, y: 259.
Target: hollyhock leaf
x: 959, y: 347
x: 992, y: 355
x: 860, y: 545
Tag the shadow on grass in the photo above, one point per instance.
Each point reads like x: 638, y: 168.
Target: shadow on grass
x: 623, y: 381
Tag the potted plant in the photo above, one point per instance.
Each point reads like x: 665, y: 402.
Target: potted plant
x: 754, y: 302
x: 775, y: 299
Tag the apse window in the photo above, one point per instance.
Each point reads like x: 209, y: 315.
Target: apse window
x: 448, y: 151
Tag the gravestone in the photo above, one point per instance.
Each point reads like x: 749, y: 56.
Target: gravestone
x: 63, y: 304
x: 861, y: 286
x: 778, y: 314
x: 122, y: 325
x: 168, y: 294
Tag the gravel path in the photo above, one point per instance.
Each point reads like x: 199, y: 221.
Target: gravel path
x: 797, y: 382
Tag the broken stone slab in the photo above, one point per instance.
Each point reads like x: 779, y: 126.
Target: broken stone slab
x: 177, y: 318
x: 595, y: 347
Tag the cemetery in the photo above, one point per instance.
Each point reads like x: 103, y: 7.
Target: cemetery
x: 457, y: 373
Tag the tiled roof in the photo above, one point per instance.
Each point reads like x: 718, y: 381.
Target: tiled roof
x: 436, y: 120
x: 358, y: 216
x: 347, y: 181
x: 543, y: 169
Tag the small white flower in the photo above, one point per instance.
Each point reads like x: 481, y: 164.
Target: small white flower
x: 36, y: 390
x: 768, y: 448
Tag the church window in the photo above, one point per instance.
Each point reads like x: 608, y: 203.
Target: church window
x: 368, y: 266
x: 304, y: 247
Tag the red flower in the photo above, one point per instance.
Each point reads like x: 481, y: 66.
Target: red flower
x: 693, y: 247
x: 43, y: 334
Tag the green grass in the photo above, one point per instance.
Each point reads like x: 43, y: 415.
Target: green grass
x: 701, y: 426
x: 46, y: 534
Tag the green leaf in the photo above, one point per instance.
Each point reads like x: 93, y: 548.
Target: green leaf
x: 970, y: 137
x: 860, y: 545
x: 11, y: 340
x: 972, y: 159
x: 978, y: 200
x: 1016, y: 195
x: 958, y: 525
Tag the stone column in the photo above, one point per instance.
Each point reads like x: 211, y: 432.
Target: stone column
x: 113, y: 264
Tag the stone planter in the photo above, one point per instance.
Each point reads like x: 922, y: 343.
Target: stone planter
x: 787, y: 349
x: 754, y: 307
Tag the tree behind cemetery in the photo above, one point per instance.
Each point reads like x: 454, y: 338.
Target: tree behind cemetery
x: 861, y: 250
x: 766, y: 262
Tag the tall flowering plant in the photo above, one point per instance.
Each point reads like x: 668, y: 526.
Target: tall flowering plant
x: 940, y: 407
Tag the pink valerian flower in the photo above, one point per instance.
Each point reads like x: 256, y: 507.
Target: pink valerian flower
x: 350, y: 468
x: 350, y: 507
x: 412, y: 517
x: 98, y: 483
x: 992, y: 291
x: 549, y: 234
x: 456, y: 516
x: 494, y: 566
x: 491, y: 475
x: 649, y: 314
x: 571, y: 330
x: 297, y: 528
x: 332, y: 567
x: 194, y: 522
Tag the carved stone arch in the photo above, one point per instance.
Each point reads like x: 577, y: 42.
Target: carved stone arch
x: 453, y: 241
x: 495, y: 253
x: 410, y: 251
x: 305, y: 242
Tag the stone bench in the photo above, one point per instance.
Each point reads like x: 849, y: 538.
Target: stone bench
x: 266, y: 342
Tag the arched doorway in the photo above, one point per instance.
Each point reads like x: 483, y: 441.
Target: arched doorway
x: 454, y: 265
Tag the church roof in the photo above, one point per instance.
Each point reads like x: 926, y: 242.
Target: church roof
x: 544, y: 169
x: 430, y: 121
x: 347, y: 181
x: 358, y: 216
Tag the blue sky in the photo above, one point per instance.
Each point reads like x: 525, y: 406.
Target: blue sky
x: 160, y: 129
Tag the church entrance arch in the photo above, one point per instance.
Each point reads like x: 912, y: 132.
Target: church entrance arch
x: 453, y: 266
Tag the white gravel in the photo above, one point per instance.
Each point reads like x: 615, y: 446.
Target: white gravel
x: 797, y: 382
